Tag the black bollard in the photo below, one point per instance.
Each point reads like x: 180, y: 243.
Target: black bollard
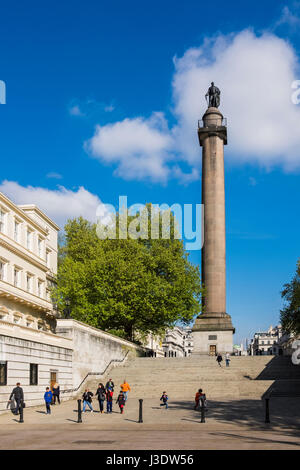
x: 79, y: 412
x: 141, y: 411
x: 21, y: 409
x: 202, y: 412
x: 267, y: 417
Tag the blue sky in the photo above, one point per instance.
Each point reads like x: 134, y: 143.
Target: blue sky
x: 105, y: 96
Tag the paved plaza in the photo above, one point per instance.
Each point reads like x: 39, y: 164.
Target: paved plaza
x: 229, y: 425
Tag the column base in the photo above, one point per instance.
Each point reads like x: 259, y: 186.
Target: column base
x: 213, y: 333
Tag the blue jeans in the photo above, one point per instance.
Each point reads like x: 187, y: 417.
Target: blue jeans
x: 165, y: 404
x: 125, y: 395
x: 48, y: 409
x: 109, y: 407
x: 89, y: 405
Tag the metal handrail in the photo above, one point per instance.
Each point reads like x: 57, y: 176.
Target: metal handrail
x: 94, y: 373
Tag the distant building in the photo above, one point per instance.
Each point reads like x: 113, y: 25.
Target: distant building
x: 173, y: 343
x: 178, y: 342
x: 153, y: 345
x: 188, y: 341
x: 264, y: 342
x: 283, y: 345
x: 239, y: 350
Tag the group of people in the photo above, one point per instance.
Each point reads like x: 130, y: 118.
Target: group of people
x: 220, y: 359
x: 50, y: 397
x: 106, y: 393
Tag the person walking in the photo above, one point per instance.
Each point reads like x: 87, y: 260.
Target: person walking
x: 87, y: 400
x: 164, y: 398
x: 200, y: 399
x: 48, y: 395
x: 109, y: 400
x: 125, y: 387
x: 100, y: 394
x: 18, y: 395
x: 121, y: 401
x: 198, y: 396
x: 110, y: 385
x: 219, y: 359
x: 56, y: 393
x: 227, y: 359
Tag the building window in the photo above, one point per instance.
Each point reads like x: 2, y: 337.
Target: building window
x: 48, y: 258
x: 29, y: 282
x: 40, y: 247
x: 17, y: 318
x: 16, y: 277
x: 16, y: 231
x: 2, y: 270
x: 33, y: 374
x: 212, y: 337
x: 40, y: 289
x: 2, y: 221
x: 29, y: 239
x: 3, y: 373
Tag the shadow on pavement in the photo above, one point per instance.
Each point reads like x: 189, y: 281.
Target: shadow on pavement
x: 284, y: 413
x: 254, y: 439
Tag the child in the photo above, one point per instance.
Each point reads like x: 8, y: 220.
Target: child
x: 109, y: 400
x: 121, y: 401
x: 87, y: 400
x: 164, y: 398
x: 48, y: 400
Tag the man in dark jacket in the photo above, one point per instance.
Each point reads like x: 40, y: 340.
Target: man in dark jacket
x: 110, y: 385
x: 100, y: 394
x: 18, y: 395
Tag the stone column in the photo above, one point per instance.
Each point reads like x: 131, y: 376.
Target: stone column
x: 213, y: 327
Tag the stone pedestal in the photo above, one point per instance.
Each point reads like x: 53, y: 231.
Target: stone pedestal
x: 213, y: 327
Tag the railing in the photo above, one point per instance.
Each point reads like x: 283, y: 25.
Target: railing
x: 70, y: 390
x: 211, y: 123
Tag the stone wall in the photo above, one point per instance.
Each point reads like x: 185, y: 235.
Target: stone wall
x: 94, y: 349
x: 20, y: 348
x: 73, y: 352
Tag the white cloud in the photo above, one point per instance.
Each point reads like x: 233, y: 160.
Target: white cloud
x: 288, y: 18
x: 54, y: 175
x: 139, y: 146
x: 59, y: 204
x: 254, y: 73
x: 76, y: 111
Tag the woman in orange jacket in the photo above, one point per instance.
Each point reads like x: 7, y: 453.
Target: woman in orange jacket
x: 125, y: 387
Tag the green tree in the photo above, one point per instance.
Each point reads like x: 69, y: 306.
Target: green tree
x: 127, y: 285
x: 290, y: 315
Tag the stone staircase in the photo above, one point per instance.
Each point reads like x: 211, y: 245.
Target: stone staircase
x: 246, y: 378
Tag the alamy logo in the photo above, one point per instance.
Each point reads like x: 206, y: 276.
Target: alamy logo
x: 2, y: 92
x: 296, y: 354
x: 295, y: 97
x: 188, y: 222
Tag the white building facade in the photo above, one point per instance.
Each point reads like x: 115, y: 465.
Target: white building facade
x: 30, y: 351
x: 263, y: 343
x: 173, y: 343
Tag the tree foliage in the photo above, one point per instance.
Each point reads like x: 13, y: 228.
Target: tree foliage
x: 290, y: 315
x: 126, y: 285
